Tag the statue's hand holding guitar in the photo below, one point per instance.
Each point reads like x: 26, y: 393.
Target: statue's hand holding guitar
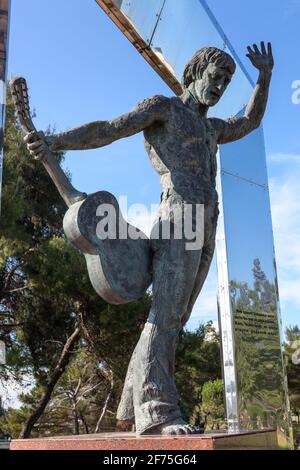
x: 37, y: 144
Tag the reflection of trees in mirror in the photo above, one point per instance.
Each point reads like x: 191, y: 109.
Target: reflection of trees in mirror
x: 291, y: 345
x: 262, y: 297
x: 212, y: 407
x: 260, y: 379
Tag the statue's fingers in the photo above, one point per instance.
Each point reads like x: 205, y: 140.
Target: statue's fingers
x: 256, y: 50
x: 250, y: 51
x: 190, y: 428
x: 35, y: 145
x: 181, y: 431
x: 270, y: 51
x: 36, y: 155
x: 263, y: 47
x: 30, y: 137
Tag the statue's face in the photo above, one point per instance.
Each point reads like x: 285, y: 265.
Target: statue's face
x: 211, y: 86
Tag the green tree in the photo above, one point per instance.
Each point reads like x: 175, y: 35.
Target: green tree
x: 212, y: 406
x: 197, y: 361
x: 292, y: 355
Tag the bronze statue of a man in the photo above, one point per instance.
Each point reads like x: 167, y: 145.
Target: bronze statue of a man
x: 181, y: 142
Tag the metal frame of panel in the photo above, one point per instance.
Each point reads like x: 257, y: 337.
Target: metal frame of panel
x: 225, y: 318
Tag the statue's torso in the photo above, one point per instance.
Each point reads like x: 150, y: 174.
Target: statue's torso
x: 183, y: 152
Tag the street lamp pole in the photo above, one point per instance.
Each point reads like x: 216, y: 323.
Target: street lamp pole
x: 4, y: 29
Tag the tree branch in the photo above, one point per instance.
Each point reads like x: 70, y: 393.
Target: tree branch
x: 55, y: 376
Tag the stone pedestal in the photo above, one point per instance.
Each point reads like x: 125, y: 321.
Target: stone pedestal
x: 128, y: 441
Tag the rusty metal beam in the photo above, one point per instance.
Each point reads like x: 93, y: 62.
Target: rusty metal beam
x: 127, y: 28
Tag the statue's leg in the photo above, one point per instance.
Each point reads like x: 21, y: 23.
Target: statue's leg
x: 125, y: 410
x: 211, y: 216
x: 155, y: 396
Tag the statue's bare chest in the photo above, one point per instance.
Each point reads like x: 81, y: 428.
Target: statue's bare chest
x: 185, y: 142
x: 184, y: 124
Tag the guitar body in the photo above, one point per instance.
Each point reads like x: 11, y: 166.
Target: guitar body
x: 119, y: 266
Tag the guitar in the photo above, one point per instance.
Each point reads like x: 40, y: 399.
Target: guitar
x: 119, y: 266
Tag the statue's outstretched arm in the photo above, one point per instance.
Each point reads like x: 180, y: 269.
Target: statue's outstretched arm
x: 100, y: 133
x: 235, y: 128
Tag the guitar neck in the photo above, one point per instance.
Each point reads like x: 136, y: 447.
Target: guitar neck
x: 67, y: 191
x: 20, y: 96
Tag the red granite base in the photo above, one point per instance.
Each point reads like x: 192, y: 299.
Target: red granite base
x: 257, y: 440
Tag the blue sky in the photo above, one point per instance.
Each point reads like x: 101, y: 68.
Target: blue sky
x: 81, y: 68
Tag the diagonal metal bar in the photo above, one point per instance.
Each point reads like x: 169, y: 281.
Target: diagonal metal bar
x: 127, y: 28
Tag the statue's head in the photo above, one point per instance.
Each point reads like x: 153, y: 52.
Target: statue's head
x: 208, y: 74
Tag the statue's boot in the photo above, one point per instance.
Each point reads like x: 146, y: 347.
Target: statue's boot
x: 126, y: 425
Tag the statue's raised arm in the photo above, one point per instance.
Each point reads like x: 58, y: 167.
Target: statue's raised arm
x: 235, y: 128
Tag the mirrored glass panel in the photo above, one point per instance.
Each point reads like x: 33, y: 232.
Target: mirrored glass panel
x: 253, y: 292
x: 167, y: 24
x: 246, y: 159
x: 143, y: 14
x: 185, y: 27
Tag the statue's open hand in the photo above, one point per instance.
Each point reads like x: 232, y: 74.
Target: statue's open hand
x: 36, y: 144
x: 262, y: 60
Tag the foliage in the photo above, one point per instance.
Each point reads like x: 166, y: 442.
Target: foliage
x: 75, y: 405
x: 291, y: 355
x: 212, y: 407
x: 260, y: 379
x: 197, y: 361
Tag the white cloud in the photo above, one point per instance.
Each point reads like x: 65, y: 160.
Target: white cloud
x: 283, y: 158
x: 285, y: 202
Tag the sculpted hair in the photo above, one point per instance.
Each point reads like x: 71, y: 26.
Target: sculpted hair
x: 198, y: 63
